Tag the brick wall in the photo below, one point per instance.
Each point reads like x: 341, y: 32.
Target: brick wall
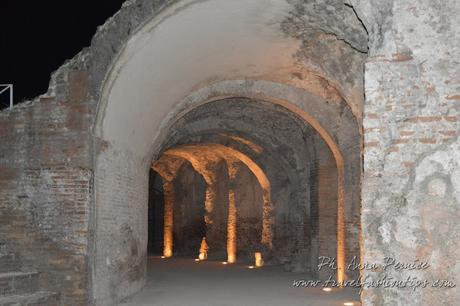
x: 121, y: 190
x: 326, y: 196
x: 46, y: 186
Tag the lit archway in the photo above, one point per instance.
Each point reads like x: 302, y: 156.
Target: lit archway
x: 202, y: 157
x: 300, y: 101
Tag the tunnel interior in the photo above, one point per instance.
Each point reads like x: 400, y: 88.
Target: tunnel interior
x: 252, y: 126
x: 241, y: 178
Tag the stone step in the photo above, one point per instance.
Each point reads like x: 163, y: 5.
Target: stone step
x: 18, y: 283
x: 9, y: 263
x: 40, y: 298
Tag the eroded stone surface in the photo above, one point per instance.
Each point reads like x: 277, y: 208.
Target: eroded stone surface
x: 411, y: 127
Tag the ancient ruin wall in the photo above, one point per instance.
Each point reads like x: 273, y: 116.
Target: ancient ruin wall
x: 410, y: 203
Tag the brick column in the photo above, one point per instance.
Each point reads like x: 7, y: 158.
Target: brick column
x: 168, y: 218
x: 231, y: 227
x: 232, y: 215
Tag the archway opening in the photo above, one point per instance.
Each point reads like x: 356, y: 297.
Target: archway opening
x: 247, y: 183
x: 282, y: 88
x: 211, y: 193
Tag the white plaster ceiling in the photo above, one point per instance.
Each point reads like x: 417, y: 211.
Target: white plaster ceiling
x: 189, y: 45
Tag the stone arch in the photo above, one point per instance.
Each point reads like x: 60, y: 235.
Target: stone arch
x: 341, y: 137
x: 131, y: 90
x: 285, y: 146
x: 202, y: 157
x: 328, y: 134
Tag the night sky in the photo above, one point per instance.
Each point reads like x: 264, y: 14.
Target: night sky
x: 36, y: 37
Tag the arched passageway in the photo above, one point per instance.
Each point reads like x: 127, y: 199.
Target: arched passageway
x: 250, y: 177
x: 236, y: 198
x: 274, y: 91
x: 298, y: 173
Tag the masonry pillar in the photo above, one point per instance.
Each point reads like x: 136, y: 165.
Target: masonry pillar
x: 216, y: 205
x: 232, y: 215
x: 168, y: 189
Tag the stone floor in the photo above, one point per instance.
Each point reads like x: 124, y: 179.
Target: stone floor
x: 184, y: 282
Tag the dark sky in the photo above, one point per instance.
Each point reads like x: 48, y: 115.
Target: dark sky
x: 36, y: 37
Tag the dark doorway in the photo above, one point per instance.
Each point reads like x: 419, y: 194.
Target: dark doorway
x: 155, y: 214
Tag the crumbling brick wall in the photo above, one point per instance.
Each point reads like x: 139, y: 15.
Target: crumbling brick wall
x: 46, y: 183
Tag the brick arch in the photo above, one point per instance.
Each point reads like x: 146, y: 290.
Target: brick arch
x: 151, y: 74
x: 202, y: 155
x: 297, y: 162
x: 315, y: 111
